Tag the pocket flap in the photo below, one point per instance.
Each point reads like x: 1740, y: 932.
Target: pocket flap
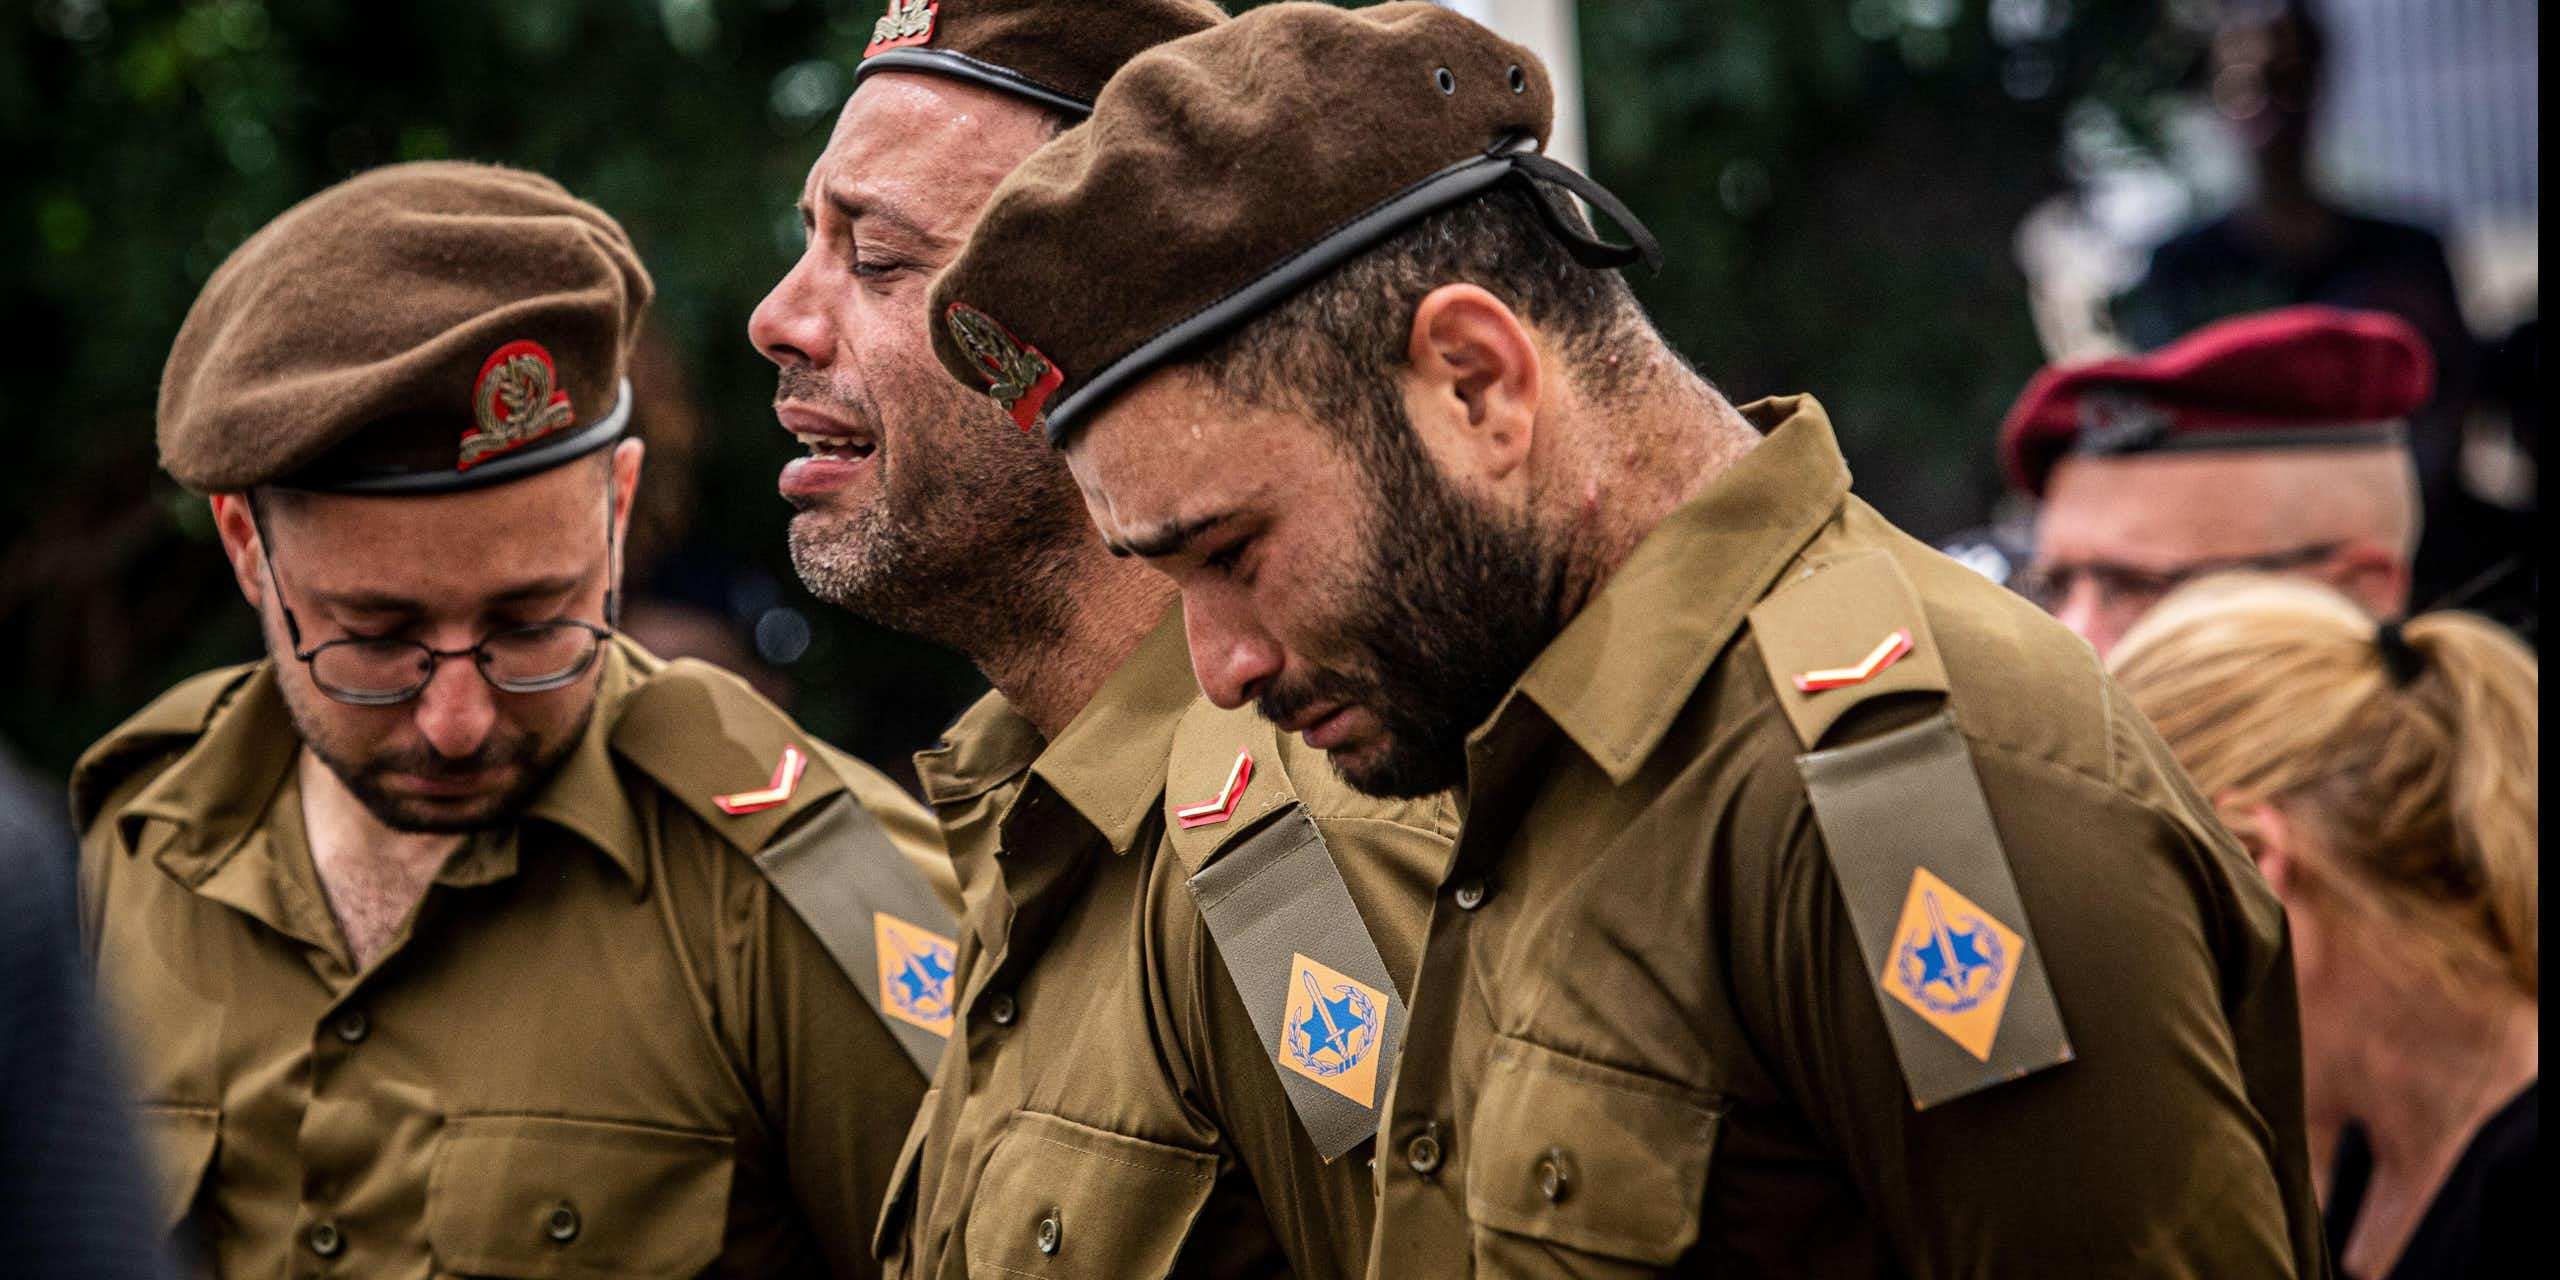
x: 539, y: 1196
x: 1589, y: 1156
x: 888, y: 1232
x: 182, y: 1141
x: 1065, y: 1199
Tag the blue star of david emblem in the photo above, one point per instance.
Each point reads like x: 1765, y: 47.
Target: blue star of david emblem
x: 1952, y: 966
x: 1343, y: 1025
x: 924, y: 983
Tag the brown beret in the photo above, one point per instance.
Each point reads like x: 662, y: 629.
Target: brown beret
x: 416, y: 329
x: 1057, y: 53
x: 1223, y: 172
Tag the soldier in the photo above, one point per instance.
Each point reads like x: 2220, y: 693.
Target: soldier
x: 461, y: 935
x: 1821, y: 909
x: 1183, y: 959
x: 2275, y: 442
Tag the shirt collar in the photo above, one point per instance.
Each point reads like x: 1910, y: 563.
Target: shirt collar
x: 586, y: 798
x: 1619, y: 673
x: 1110, y: 761
x: 220, y: 790
x: 990, y: 745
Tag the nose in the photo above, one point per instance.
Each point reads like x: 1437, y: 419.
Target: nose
x: 457, y: 709
x: 790, y: 326
x: 1233, y: 659
x: 2084, y: 610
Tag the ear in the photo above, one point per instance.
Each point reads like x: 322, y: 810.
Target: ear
x: 627, y: 457
x: 2270, y: 838
x: 2372, y: 575
x: 1473, y: 382
x: 241, y: 545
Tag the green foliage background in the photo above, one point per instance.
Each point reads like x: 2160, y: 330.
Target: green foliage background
x: 1835, y: 182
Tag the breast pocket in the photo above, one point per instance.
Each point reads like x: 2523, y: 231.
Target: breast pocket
x: 1568, y: 1155
x: 539, y: 1197
x: 182, y: 1142
x: 1067, y: 1200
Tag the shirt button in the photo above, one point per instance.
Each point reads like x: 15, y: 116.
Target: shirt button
x: 1470, y: 894
x: 1000, y: 1008
x: 1423, y: 1153
x: 352, y: 1025
x: 561, y: 1223
x: 1050, y: 1235
x: 1555, y: 1175
x: 325, y: 1240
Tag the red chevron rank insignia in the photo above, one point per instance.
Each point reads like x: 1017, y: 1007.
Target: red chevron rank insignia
x: 786, y: 779
x: 1885, y: 655
x: 1222, y: 806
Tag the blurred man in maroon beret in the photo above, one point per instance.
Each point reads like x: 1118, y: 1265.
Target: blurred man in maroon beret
x: 2274, y: 442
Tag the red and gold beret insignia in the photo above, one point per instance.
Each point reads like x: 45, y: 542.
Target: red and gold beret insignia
x: 515, y: 402
x: 907, y: 22
x: 1018, y: 376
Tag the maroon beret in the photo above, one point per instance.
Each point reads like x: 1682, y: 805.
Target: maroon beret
x: 2297, y: 377
x: 418, y: 328
x: 1225, y: 171
x: 1057, y: 53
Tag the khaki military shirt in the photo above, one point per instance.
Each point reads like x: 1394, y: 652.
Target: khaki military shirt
x: 1107, y: 1108
x: 1646, y: 1038
x: 600, y: 1047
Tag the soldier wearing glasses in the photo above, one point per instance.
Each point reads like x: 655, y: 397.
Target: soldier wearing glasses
x: 463, y: 935
x: 2274, y: 442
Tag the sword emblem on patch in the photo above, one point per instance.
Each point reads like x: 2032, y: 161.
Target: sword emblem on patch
x: 1331, y: 1028
x: 786, y: 779
x: 916, y: 965
x: 1951, y: 963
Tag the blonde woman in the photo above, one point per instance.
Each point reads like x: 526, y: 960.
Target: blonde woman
x: 2384, y: 780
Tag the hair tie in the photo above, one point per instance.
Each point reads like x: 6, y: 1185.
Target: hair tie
x: 2399, y: 658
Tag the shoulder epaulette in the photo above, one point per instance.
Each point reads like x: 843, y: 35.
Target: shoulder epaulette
x: 1909, y: 833
x: 1842, y: 632
x: 850, y: 854
x: 173, y: 719
x: 1294, y: 942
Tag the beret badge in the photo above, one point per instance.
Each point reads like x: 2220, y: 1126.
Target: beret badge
x: 908, y: 22
x: 1019, y: 378
x: 514, y: 403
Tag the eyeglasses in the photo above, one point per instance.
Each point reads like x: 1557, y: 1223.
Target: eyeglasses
x: 2126, y: 588
x: 381, y: 672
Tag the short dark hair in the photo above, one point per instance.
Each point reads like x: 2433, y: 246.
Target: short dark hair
x: 1333, y: 349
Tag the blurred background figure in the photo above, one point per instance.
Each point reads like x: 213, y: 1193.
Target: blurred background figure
x: 2274, y: 442
x: 75, y: 1199
x: 2384, y: 778
x: 2367, y: 154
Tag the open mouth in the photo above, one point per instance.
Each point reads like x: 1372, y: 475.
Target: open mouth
x: 840, y: 448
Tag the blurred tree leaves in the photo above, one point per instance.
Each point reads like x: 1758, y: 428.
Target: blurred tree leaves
x: 1836, y: 182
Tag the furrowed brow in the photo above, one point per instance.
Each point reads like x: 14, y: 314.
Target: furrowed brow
x: 1167, y: 539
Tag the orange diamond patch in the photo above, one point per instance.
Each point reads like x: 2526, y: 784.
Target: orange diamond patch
x: 1952, y: 963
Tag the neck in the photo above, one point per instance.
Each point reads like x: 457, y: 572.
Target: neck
x: 1623, y: 468
x: 2433, y: 1074
x: 1049, y: 673
x: 371, y: 875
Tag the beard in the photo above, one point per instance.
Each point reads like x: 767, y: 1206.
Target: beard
x: 532, y: 760
x: 960, y: 538
x: 1452, y: 602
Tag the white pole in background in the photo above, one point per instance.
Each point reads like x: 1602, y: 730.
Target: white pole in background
x: 1546, y: 27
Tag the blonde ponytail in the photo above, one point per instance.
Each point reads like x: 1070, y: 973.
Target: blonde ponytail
x: 2413, y: 755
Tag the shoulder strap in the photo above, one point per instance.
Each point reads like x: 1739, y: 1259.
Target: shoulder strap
x: 174, y: 718
x: 1910, y: 835
x: 1294, y: 942
x: 798, y: 808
